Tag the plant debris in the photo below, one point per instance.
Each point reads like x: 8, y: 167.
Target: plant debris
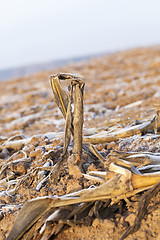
x: 55, y: 177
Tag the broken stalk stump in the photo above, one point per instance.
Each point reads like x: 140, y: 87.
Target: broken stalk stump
x: 74, y: 121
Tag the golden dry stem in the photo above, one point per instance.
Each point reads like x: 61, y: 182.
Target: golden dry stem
x: 74, y: 121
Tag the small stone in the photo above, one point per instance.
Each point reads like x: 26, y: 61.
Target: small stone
x: 130, y: 218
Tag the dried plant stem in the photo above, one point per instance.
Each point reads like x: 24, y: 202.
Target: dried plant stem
x: 78, y: 124
x: 146, y: 180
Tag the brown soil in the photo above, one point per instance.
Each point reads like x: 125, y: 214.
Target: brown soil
x: 27, y: 109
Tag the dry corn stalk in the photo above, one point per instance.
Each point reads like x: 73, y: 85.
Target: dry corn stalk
x: 142, y: 128
x: 74, y: 123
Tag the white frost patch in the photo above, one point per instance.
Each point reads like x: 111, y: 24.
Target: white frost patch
x: 50, y: 218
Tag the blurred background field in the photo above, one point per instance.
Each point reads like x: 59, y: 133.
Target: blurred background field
x: 41, y: 35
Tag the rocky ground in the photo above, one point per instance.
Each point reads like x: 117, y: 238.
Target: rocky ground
x: 121, y: 89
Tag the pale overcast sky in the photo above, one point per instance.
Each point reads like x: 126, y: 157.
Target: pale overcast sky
x: 33, y: 31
